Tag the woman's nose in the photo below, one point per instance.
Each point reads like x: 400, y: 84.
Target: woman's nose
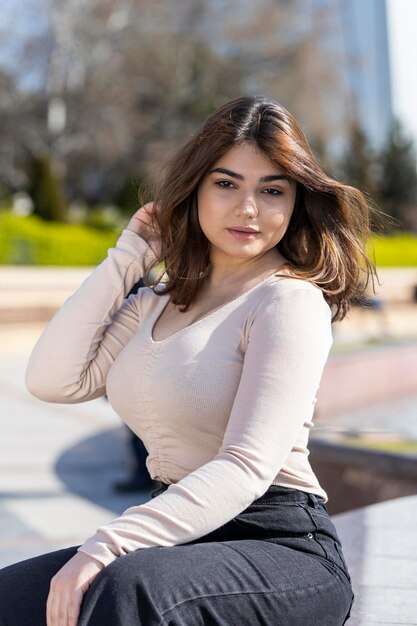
x: 247, y: 208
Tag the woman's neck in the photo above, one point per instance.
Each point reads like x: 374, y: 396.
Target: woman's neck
x: 227, y: 277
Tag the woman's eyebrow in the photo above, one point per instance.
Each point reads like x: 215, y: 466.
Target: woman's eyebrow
x: 263, y: 179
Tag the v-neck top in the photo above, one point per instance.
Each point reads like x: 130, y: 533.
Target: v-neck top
x: 166, y: 299
x: 223, y: 406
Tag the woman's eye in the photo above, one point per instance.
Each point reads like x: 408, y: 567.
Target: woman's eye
x: 224, y: 184
x: 227, y: 184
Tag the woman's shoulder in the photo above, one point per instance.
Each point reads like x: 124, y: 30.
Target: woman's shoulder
x: 283, y: 288
x: 285, y: 308
x: 285, y: 282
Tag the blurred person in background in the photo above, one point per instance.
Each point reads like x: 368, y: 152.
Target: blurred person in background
x: 216, y: 369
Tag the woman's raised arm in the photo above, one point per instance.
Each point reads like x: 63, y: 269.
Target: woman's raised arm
x: 71, y: 359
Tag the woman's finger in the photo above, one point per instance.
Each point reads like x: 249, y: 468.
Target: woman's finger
x: 48, y: 610
x: 74, y: 607
x: 146, y: 212
x: 63, y: 610
x: 142, y: 223
x: 52, y: 608
x: 57, y: 613
x: 145, y: 215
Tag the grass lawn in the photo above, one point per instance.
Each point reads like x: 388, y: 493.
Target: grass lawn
x: 405, y: 446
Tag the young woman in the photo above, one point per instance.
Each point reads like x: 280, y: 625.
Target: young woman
x: 215, y: 366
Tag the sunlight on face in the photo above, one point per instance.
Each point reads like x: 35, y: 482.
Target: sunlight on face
x: 243, y: 189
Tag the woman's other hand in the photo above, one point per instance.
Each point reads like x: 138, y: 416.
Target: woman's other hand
x: 142, y: 223
x: 67, y: 590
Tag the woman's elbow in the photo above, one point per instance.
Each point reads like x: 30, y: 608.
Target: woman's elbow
x: 39, y: 385
x: 43, y: 387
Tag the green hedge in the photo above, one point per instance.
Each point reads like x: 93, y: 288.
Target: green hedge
x: 396, y: 250
x: 32, y: 241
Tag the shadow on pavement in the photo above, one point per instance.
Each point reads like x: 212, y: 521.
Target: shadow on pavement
x: 90, y: 468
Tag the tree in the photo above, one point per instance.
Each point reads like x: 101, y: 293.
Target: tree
x: 48, y: 201
x: 398, y: 178
x: 358, y: 164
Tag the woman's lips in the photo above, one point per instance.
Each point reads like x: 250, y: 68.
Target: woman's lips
x: 245, y: 235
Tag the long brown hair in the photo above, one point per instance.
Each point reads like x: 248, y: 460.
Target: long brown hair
x: 325, y: 242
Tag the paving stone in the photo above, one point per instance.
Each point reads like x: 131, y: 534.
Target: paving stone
x: 380, y: 547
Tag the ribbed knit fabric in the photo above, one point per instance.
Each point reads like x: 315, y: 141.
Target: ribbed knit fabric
x: 224, y: 406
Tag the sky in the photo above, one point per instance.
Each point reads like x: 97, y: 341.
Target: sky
x: 402, y: 21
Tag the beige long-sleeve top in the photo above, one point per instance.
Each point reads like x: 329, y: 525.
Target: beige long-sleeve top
x: 224, y: 406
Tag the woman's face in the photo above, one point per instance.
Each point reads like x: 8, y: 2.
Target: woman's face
x: 244, y: 190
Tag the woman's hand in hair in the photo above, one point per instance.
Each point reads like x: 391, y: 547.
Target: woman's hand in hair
x: 143, y: 224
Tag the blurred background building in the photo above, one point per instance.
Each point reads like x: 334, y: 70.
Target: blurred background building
x: 364, y: 42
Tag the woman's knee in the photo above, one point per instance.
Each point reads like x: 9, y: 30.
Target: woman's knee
x: 124, y: 592
x: 137, y: 569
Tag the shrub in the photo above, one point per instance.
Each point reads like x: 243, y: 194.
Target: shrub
x: 396, y: 250
x: 32, y: 241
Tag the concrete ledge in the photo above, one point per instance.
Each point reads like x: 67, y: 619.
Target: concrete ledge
x: 355, y: 477
x: 380, y: 548
x: 389, y: 462
x: 27, y: 314
x: 397, y: 283
x: 34, y: 294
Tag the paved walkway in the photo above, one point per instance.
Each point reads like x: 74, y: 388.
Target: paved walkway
x: 380, y: 547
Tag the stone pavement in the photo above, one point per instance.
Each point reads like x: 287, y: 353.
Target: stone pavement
x: 57, y: 462
x: 380, y: 546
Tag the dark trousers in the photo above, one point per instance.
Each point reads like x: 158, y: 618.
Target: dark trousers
x: 278, y: 563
